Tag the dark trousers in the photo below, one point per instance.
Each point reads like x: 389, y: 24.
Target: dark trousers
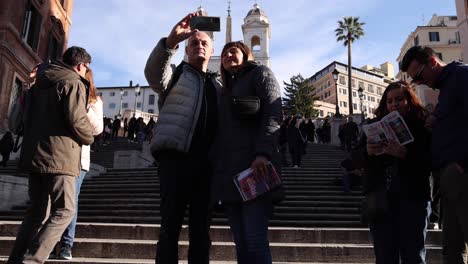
x: 283, y: 150
x: 33, y: 236
x: 296, y: 154
x: 5, y: 158
x: 184, y: 180
x: 436, y: 204
x: 401, y: 234
x: 115, y: 133
x: 249, y: 226
x: 454, y: 187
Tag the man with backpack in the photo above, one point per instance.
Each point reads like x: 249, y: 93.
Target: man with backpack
x: 182, y: 137
x: 55, y: 128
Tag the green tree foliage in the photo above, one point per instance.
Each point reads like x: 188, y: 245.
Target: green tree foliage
x: 349, y: 29
x: 298, y: 97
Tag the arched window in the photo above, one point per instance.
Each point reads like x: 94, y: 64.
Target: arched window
x: 151, y: 99
x: 255, y: 44
x: 151, y: 111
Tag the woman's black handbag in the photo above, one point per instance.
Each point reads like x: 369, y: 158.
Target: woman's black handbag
x: 245, y: 106
x: 374, y: 205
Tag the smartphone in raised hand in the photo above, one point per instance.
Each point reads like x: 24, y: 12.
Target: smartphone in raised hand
x: 205, y: 23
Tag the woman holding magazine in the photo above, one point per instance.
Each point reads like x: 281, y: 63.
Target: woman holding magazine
x: 397, y: 182
x: 249, y: 119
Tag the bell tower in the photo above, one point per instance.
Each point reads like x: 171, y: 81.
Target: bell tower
x: 256, y: 30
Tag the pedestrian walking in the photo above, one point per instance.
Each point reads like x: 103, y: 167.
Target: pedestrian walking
x: 296, y: 140
x: 95, y: 117
x: 56, y: 128
x: 6, y: 147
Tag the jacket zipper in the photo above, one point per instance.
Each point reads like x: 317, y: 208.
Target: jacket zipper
x: 204, y: 88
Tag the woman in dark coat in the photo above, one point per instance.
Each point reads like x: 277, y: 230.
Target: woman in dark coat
x: 6, y: 146
x: 326, y: 131
x: 398, y: 180
x: 246, y: 139
x: 296, y: 141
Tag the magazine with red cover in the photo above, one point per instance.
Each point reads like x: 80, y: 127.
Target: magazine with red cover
x: 250, y: 186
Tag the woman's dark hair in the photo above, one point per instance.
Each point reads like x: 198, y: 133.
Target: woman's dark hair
x: 415, y: 106
x: 247, y: 55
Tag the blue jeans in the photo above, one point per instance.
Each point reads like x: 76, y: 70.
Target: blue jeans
x: 401, y: 234
x: 249, y: 226
x: 69, y: 234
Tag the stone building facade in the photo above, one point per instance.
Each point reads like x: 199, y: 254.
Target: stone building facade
x: 370, y: 79
x: 462, y: 24
x: 31, y: 31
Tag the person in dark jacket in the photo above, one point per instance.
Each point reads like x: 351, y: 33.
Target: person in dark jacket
x: 131, y: 128
x: 326, y: 131
x: 125, y: 125
x: 183, y: 135
x: 398, y: 180
x: 449, y: 141
x: 247, y: 140
x: 6, y: 146
x: 296, y: 140
x: 115, y: 127
x: 310, y: 129
x: 350, y: 132
x: 149, y: 129
x: 283, y: 141
x: 55, y: 129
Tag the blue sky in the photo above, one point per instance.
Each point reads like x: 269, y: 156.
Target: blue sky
x: 120, y: 34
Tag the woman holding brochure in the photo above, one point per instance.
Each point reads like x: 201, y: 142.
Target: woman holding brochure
x: 397, y: 181
x: 249, y: 121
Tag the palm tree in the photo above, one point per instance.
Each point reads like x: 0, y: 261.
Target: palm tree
x: 348, y: 31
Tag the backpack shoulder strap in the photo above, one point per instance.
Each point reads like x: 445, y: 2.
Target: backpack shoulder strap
x: 175, y: 78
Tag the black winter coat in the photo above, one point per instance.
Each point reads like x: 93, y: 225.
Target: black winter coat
x: 240, y: 139
x: 412, y: 173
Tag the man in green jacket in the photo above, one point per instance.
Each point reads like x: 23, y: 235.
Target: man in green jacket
x: 55, y: 128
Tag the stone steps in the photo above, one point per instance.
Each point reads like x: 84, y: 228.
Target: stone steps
x: 312, y: 199
x: 300, y: 245
x: 316, y: 223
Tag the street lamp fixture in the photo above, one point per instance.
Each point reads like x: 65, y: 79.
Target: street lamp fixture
x: 361, y: 96
x: 335, y: 73
x: 137, y: 92
x: 120, y: 109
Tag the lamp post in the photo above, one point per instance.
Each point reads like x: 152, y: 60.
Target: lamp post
x: 335, y: 78
x: 361, y: 96
x: 120, y: 109
x: 137, y: 91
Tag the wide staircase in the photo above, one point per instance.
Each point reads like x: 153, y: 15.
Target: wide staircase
x: 316, y: 223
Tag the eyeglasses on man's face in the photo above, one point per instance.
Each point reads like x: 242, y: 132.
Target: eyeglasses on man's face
x: 86, y: 65
x: 418, y: 76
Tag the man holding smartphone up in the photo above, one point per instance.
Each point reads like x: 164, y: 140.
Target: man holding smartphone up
x: 182, y: 137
